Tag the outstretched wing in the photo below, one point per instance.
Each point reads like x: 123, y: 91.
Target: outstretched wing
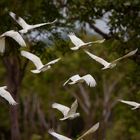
x: 130, y: 103
x: 53, y: 61
x: 73, y: 108
x: 98, y: 59
x: 19, y: 20
x: 125, y: 56
x: 16, y: 36
x: 35, y: 59
x: 91, y: 130
x: 75, y: 40
x: 62, y: 108
x: 6, y: 95
x: 58, y: 136
x: 74, y: 79
x: 42, y: 24
x: 89, y: 80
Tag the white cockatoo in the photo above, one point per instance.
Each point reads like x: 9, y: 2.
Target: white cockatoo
x: 90, y: 81
x: 7, y: 96
x: 109, y: 64
x: 69, y: 113
x: 26, y: 27
x: 134, y: 104
x: 79, y: 43
x: 37, y: 62
x: 13, y: 34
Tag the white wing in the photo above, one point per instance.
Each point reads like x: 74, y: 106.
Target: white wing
x: 130, y: 103
x: 74, y: 79
x: 75, y: 40
x: 99, y: 41
x: 6, y: 95
x: 58, y: 136
x: 35, y: 59
x: 19, y: 20
x: 125, y: 56
x: 16, y: 36
x: 91, y: 130
x: 53, y: 61
x: 62, y: 108
x: 42, y: 24
x: 73, y: 108
x: 2, y: 44
x: 98, y: 59
x: 89, y: 80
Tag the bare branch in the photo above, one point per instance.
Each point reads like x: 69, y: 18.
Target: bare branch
x: 96, y: 29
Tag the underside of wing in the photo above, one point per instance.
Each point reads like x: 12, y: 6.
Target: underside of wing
x: 89, y: 80
x: 75, y: 40
x: 6, y: 95
x: 18, y: 38
x: 62, y: 108
x: 98, y: 59
x: 19, y: 20
x: 53, y: 61
x: 130, y: 103
x: 127, y: 55
x: 36, y: 60
x: 75, y: 78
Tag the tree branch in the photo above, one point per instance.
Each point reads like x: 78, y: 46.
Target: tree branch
x: 97, y: 30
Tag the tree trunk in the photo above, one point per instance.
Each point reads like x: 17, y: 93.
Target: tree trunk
x: 15, y: 133
x: 13, y: 80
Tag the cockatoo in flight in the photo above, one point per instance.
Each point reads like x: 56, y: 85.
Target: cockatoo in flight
x: 69, y: 113
x: 26, y: 27
x: 90, y: 81
x: 109, y: 64
x: 79, y: 43
x: 37, y: 62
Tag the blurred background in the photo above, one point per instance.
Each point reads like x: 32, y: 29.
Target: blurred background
x: 117, y: 21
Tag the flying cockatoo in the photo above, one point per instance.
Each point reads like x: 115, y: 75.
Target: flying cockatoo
x: 69, y: 113
x: 79, y: 43
x: 58, y: 136
x: 37, y: 62
x: 13, y: 34
x: 109, y: 64
x: 90, y: 81
x: 61, y: 137
x: 6, y: 95
x: 26, y: 27
x: 134, y: 104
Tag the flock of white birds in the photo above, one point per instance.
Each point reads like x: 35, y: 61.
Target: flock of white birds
x: 68, y: 113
